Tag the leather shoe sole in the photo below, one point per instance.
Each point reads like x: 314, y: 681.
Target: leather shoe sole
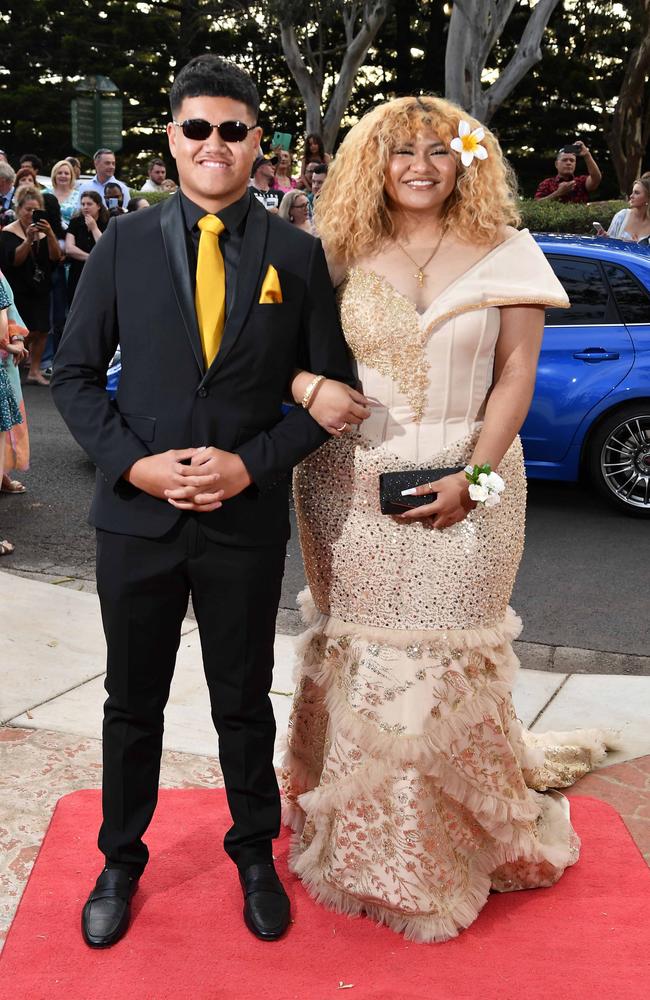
x: 106, y: 915
x: 266, y: 905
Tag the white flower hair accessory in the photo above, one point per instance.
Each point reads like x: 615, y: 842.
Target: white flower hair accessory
x: 468, y: 143
x: 485, y: 486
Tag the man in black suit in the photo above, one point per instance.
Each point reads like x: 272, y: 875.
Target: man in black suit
x: 193, y: 468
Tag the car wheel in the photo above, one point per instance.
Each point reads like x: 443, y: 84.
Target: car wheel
x: 619, y: 459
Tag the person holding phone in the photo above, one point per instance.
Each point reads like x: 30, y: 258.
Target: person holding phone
x: 566, y: 186
x: 283, y: 181
x: 84, y: 232
x: 29, y: 250
x: 114, y: 199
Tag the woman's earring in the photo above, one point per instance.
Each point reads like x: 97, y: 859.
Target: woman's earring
x: 290, y: 218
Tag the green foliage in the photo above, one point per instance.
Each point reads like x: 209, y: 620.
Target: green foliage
x: 45, y: 46
x: 153, y: 197
x: 554, y: 217
x: 570, y: 92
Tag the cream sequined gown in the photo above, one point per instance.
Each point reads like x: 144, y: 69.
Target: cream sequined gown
x: 408, y: 778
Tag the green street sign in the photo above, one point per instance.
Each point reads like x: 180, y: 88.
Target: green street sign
x: 96, y: 122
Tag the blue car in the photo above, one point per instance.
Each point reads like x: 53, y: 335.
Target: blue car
x: 590, y: 414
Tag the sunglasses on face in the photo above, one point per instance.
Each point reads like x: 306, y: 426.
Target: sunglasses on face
x: 198, y: 129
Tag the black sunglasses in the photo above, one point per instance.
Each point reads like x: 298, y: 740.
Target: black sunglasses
x: 199, y: 129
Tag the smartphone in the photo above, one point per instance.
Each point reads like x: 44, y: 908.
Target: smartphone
x: 571, y: 147
x: 281, y: 140
x: 38, y: 215
x: 600, y: 229
x: 112, y: 202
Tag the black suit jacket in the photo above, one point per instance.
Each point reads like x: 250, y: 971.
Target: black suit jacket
x: 137, y: 289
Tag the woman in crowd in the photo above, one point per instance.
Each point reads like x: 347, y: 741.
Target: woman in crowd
x: 633, y: 223
x: 16, y: 451
x: 9, y: 411
x: 83, y: 233
x: 27, y: 175
x: 135, y: 204
x: 28, y: 252
x: 314, y: 151
x: 64, y: 190
x: 283, y: 179
x: 408, y: 776
x: 295, y: 209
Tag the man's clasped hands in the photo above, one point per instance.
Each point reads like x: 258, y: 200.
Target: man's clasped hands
x: 197, y: 479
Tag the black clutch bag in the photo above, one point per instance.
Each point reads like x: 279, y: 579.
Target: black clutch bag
x: 391, y: 485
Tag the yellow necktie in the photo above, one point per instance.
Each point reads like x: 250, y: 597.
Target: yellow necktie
x: 210, y: 295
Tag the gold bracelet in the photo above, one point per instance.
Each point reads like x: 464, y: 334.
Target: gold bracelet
x: 309, y: 391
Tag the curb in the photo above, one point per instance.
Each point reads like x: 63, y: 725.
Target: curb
x: 532, y: 655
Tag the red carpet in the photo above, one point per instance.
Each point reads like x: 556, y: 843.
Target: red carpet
x: 586, y: 938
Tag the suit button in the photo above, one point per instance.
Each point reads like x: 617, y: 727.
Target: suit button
x: 203, y: 392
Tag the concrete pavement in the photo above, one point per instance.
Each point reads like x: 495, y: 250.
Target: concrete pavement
x: 51, y: 694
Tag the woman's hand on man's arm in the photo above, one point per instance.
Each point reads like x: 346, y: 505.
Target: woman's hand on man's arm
x: 334, y: 405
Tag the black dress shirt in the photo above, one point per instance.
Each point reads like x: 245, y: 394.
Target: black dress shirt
x: 230, y: 240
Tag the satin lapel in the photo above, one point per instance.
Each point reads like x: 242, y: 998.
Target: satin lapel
x: 248, y: 277
x: 172, y: 225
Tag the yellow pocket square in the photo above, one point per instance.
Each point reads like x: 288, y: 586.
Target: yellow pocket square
x: 271, y: 291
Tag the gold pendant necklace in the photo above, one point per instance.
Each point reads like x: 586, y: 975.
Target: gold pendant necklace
x: 419, y: 274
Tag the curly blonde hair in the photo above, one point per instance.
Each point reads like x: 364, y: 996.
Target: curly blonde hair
x: 352, y: 214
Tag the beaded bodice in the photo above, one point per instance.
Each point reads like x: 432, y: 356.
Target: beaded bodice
x: 429, y: 373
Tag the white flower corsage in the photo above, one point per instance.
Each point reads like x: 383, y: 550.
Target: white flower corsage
x: 485, y: 486
x: 468, y: 143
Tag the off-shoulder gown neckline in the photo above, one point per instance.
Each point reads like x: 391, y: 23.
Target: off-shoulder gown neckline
x: 422, y: 317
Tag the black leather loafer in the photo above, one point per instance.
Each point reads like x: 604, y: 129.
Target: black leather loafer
x: 266, y: 904
x: 105, y: 917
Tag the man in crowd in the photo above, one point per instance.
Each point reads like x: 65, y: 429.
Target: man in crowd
x: 104, y: 160
x: 261, y: 180
x: 113, y: 198
x: 565, y: 186
x: 7, y: 181
x: 157, y: 173
x: 318, y: 179
x: 33, y: 161
x: 304, y: 182
x: 76, y: 169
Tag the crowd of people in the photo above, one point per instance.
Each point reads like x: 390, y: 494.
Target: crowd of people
x: 49, y: 230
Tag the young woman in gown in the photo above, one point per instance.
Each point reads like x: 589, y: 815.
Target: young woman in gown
x: 409, y: 781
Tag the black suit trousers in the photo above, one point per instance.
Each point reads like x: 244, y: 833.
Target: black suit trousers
x: 144, y: 585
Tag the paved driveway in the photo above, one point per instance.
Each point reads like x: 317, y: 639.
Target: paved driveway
x: 584, y: 580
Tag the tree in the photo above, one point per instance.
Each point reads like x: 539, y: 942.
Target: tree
x: 474, y: 29
x: 629, y: 129
x: 313, y: 54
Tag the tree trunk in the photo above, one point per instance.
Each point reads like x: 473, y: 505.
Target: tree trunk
x: 629, y: 129
x: 309, y: 80
x: 308, y: 67
x: 436, y: 43
x: 403, y: 59
x: 188, y: 31
x: 475, y: 27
